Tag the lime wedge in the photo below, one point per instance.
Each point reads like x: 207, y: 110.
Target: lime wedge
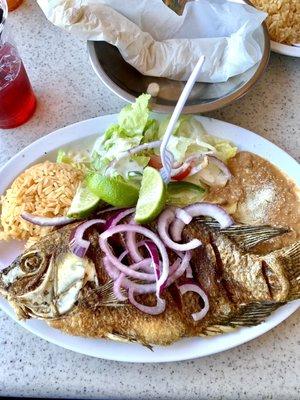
x: 83, y: 203
x: 115, y: 191
x: 184, y: 193
x: 152, y: 196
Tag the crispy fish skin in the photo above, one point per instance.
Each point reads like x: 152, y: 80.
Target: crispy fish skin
x: 243, y: 289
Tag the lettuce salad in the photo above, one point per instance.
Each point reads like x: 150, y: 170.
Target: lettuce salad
x: 136, y: 126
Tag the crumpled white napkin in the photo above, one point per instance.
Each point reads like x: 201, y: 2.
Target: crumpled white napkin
x: 158, y: 42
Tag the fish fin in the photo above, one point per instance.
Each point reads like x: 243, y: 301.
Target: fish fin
x: 103, y: 296
x: 290, y: 259
x: 247, y: 315
x: 127, y: 339
x: 247, y: 236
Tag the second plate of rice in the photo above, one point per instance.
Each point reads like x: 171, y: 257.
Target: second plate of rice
x: 283, y: 24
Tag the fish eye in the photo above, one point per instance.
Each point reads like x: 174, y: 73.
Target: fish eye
x: 31, y: 262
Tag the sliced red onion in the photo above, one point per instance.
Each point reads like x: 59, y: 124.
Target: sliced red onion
x: 115, y: 219
x: 193, y: 287
x: 183, y: 167
x: 46, y: 221
x: 139, y: 288
x: 145, y: 232
x: 164, y: 221
x: 124, y: 282
x: 117, y: 289
x: 127, y: 270
x: 134, y: 150
x: 78, y: 245
x: 132, y: 245
x: 185, y: 262
x: 184, y: 216
x: 199, y: 167
x: 202, y: 209
x: 146, y: 268
x: 189, y: 272
x: 152, y: 310
x: 219, y: 180
x: 112, y: 271
x: 152, y: 249
x: 108, y: 209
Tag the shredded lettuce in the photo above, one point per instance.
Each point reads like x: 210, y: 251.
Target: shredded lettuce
x: 189, y: 137
x: 134, y: 125
x: 79, y: 159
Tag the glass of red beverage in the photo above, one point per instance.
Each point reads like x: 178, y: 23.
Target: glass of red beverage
x: 17, y: 100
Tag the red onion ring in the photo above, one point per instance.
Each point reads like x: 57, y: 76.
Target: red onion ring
x: 134, y: 150
x: 184, y: 216
x: 185, y: 262
x: 46, y: 221
x: 118, y: 286
x: 115, y: 219
x: 152, y: 249
x: 164, y: 221
x: 108, y: 209
x: 145, y: 232
x: 222, y: 167
x: 202, y: 209
x: 78, y: 245
x: 112, y: 271
x: 154, y: 310
x: 189, y: 272
x: 132, y: 245
x: 193, y: 287
x: 128, y: 271
x: 187, y: 163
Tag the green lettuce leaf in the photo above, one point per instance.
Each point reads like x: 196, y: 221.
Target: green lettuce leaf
x: 189, y: 137
x: 134, y: 117
x: 133, y: 126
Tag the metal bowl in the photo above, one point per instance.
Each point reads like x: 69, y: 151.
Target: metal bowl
x: 127, y: 83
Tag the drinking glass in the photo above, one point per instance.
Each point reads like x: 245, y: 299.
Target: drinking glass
x: 17, y: 100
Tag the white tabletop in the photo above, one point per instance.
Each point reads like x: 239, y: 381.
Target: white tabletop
x: 68, y: 91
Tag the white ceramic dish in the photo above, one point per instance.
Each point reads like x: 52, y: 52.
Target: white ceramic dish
x: 85, y: 131
x: 285, y: 49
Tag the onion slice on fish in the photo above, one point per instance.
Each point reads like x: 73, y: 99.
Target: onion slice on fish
x: 46, y: 221
x: 184, y: 216
x: 152, y: 310
x: 154, y: 254
x: 183, y: 265
x: 116, y: 218
x: 201, y: 209
x: 132, y: 244
x: 78, y: 245
x: 164, y: 221
x: 142, y: 231
x: 193, y: 287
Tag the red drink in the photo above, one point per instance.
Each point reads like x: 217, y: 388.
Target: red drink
x: 17, y: 100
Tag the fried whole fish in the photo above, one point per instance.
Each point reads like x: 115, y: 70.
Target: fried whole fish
x: 75, y: 295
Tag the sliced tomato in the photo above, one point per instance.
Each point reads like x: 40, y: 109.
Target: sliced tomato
x: 183, y: 174
x: 155, y: 162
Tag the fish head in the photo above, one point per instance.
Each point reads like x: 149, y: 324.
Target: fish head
x: 47, y: 279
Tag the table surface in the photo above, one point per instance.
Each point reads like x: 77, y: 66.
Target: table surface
x: 68, y: 91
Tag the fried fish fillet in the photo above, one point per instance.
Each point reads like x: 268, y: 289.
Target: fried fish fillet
x: 75, y: 295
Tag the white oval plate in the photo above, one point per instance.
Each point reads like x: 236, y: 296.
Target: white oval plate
x: 85, y: 131
x: 285, y: 49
